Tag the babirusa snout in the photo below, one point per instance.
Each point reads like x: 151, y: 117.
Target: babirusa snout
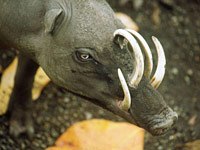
x: 138, y: 70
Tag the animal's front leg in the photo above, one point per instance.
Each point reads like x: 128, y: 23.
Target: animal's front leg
x: 20, y: 101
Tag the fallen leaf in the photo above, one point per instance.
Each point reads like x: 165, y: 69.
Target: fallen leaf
x: 99, y: 134
x: 7, y: 82
x: 156, y: 15
x: 6, y: 86
x: 195, y: 145
x: 1, y: 69
x: 62, y: 148
x: 40, y: 81
x: 127, y: 21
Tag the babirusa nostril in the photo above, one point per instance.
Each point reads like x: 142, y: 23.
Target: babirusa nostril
x: 162, y: 124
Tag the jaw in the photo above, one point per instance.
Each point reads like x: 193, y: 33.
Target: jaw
x: 111, y: 106
x: 156, y: 124
x: 114, y: 108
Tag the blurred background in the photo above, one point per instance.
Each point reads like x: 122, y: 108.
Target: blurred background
x: 176, y: 23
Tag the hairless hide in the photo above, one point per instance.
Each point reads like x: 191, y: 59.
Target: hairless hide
x: 85, y: 49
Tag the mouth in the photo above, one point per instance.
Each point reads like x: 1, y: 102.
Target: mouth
x: 162, y: 127
x: 162, y: 123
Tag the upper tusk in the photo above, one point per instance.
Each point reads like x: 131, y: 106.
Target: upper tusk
x: 138, y: 71
x: 147, y: 51
x: 160, y: 70
x: 126, y: 103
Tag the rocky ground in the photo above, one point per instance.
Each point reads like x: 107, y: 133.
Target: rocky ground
x: 177, y: 25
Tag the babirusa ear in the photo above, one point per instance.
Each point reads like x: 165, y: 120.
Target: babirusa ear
x: 51, y: 18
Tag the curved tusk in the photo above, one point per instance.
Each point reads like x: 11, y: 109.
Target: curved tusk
x: 160, y: 70
x: 138, y: 71
x: 126, y: 103
x: 147, y: 51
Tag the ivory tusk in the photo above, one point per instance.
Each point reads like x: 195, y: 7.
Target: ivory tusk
x: 126, y: 103
x: 160, y: 70
x: 138, y: 71
x: 147, y: 51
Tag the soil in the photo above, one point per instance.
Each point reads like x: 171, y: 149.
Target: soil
x: 177, y: 25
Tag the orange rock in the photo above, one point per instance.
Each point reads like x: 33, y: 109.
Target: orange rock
x: 101, y: 135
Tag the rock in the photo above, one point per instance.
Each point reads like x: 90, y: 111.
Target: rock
x: 66, y: 100
x: 187, y: 80
x: 160, y: 148
x: 137, y: 4
x: 190, y: 72
x: 175, y: 21
x: 88, y: 115
x: 174, y: 71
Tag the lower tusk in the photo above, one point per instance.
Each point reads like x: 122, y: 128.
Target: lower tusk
x: 147, y: 51
x: 160, y: 70
x: 126, y: 103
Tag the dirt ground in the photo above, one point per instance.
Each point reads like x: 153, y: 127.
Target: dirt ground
x: 177, y: 25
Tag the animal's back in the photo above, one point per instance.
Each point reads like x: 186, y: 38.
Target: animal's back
x: 19, y: 18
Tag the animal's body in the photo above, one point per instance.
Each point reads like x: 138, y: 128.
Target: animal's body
x: 72, y: 40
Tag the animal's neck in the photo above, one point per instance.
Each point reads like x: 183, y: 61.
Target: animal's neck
x: 19, y: 18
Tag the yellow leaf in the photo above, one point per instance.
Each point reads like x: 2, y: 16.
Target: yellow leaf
x: 100, y: 134
x: 195, y: 145
x: 40, y: 81
x: 63, y: 148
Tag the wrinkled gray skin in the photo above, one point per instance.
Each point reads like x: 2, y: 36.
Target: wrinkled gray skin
x: 55, y: 34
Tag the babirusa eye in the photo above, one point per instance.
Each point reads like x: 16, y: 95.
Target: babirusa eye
x: 83, y: 56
